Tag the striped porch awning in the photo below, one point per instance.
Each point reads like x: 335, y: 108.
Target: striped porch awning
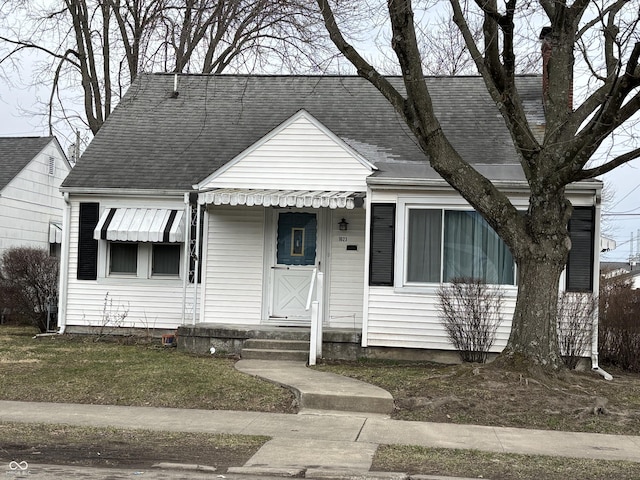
x: 283, y: 198
x: 55, y: 232
x: 141, y: 225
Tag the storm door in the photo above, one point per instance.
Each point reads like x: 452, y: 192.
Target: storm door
x: 295, y: 258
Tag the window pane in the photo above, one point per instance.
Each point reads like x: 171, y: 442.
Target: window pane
x: 473, y: 250
x: 424, y: 245
x: 166, y: 260
x: 124, y: 258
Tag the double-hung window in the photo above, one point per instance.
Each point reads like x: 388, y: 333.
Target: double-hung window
x: 136, y: 241
x: 442, y: 245
x: 125, y: 258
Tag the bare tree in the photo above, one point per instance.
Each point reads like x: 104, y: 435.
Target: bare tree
x: 102, y: 45
x: 539, y: 240
x: 29, y: 284
x: 444, y: 50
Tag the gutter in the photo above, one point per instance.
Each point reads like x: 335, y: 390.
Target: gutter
x: 64, y: 266
x: 122, y: 192
x: 381, y: 182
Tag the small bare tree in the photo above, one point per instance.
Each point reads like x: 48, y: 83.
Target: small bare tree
x: 470, y: 311
x: 575, y: 321
x: 29, y: 283
x: 619, y: 328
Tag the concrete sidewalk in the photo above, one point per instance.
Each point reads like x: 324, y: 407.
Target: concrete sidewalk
x: 323, y: 442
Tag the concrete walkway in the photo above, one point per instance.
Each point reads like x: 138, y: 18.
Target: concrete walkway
x: 316, y: 390
x: 328, y: 445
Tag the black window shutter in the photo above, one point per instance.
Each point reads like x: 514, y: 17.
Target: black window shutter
x: 383, y: 219
x: 580, y: 262
x: 87, y: 245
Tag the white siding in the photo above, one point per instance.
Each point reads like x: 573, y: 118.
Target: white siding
x: 31, y: 201
x: 347, y: 270
x: 408, y: 317
x: 234, y: 265
x: 151, y: 302
x: 299, y: 157
x: 411, y: 320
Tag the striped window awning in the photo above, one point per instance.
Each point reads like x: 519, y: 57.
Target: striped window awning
x: 55, y: 232
x: 141, y: 225
x: 283, y: 198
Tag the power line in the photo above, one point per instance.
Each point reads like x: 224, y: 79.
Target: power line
x: 632, y: 190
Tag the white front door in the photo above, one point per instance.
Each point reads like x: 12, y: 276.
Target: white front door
x: 296, y: 256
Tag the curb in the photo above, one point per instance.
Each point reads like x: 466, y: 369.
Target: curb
x: 184, y: 466
x: 326, y: 474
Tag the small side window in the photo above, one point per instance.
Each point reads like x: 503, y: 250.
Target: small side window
x: 123, y: 258
x: 166, y: 259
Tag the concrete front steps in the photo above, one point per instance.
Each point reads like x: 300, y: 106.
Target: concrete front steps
x: 320, y: 391
x: 273, y: 349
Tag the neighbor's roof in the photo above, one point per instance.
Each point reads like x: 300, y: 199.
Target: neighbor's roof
x: 16, y: 153
x: 626, y: 266
x: 156, y: 140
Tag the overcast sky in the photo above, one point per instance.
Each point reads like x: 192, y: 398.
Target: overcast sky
x: 18, y: 105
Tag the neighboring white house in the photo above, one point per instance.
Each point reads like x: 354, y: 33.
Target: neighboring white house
x: 253, y: 183
x: 628, y: 271
x: 31, y: 205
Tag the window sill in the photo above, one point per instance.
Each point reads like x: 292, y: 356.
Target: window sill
x: 135, y: 280
x: 510, y: 291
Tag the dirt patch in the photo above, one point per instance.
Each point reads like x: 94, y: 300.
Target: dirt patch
x: 118, y: 448
x: 491, y: 395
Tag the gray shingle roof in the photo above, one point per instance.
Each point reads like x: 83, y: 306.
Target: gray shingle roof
x: 16, y: 153
x: 154, y: 140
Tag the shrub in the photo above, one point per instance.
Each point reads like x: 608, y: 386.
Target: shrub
x: 470, y: 311
x: 619, y: 324
x: 29, y: 283
x: 575, y: 321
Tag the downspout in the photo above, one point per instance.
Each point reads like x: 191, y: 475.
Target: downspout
x: 64, y: 266
x: 364, y: 341
x: 596, y: 288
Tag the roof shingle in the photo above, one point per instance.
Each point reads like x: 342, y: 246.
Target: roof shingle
x: 16, y: 153
x: 157, y: 140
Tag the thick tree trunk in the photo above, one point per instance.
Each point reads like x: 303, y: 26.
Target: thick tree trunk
x: 534, y: 334
x: 541, y: 256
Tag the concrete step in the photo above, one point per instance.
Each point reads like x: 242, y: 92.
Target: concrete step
x: 271, y: 344
x: 274, y: 354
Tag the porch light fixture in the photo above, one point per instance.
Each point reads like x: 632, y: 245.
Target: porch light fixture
x: 343, y: 224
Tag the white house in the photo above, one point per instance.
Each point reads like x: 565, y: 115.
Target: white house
x: 31, y: 205
x: 210, y: 203
x: 628, y: 271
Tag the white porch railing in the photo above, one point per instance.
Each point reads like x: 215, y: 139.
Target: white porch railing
x: 315, y: 343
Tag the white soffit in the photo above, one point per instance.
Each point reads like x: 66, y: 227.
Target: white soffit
x: 141, y: 225
x: 282, y: 198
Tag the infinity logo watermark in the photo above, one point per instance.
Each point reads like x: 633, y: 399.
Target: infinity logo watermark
x: 18, y: 466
